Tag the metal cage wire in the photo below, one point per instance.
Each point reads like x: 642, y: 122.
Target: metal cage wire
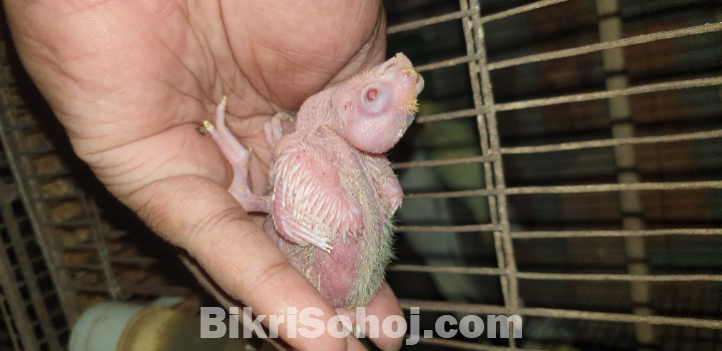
x: 623, y: 138
x: 107, y: 265
x: 77, y: 258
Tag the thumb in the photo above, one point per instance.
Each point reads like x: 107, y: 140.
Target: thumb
x: 200, y: 216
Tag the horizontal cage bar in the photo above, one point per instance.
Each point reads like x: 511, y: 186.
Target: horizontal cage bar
x: 468, y: 345
x: 640, y: 39
x: 430, y: 21
x: 519, y: 10
x: 586, y: 49
x: 649, y: 88
x: 434, y: 306
x: 613, y: 233
x: 452, y: 115
x: 613, y: 142
x: 519, y: 105
x: 559, y: 276
x: 445, y: 162
x: 712, y: 134
x: 571, y: 189
x: 451, y: 228
x: 466, y: 13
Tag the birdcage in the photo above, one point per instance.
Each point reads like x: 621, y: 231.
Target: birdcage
x: 59, y: 256
x: 565, y: 167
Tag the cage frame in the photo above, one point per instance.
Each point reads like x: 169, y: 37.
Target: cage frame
x: 611, y: 46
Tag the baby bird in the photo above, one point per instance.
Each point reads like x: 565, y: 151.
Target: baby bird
x: 334, y: 193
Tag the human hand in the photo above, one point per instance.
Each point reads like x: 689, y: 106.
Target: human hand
x: 131, y: 81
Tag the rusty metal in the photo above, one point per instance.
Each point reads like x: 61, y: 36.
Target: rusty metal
x: 75, y: 245
x: 642, y: 89
x: 612, y: 44
x: 20, y: 282
x: 472, y: 29
x: 455, y: 161
x: 712, y: 134
x: 10, y: 117
x: 144, y: 289
x: 489, y: 136
x: 641, y: 39
x: 629, y: 186
x: 614, y: 233
x: 99, y: 240
x: 451, y: 228
x: 561, y: 276
x: 649, y: 88
x: 429, y: 21
x: 465, y: 345
x: 433, y: 306
x: 31, y: 321
x: 620, y: 116
x: 9, y: 325
x: 470, y: 12
x: 519, y: 10
x: 449, y: 62
x: 472, y: 20
x: 460, y: 270
x: 572, y: 189
x: 452, y: 115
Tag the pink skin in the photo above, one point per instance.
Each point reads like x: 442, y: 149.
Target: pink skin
x: 332, y: 186
x: 375, y: 126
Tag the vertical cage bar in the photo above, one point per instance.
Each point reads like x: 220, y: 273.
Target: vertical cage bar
x: 610, y: 29
x: 35, y: 210
x: 512, y: 301
x: 497, y: 165
x: 99, y: 240
x: 8, y: 318
x: 16, y: 306
x: 26, y: 265
x: 471, y: 25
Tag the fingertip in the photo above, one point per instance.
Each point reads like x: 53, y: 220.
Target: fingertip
x: 385, y: 305
x: 392, y: 347
x: 239, y: 258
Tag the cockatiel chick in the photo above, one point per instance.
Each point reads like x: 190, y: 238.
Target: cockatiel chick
x: 334, y: 192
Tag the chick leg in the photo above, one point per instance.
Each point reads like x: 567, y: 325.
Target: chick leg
x: 273, y: 129
x: 239, y: 158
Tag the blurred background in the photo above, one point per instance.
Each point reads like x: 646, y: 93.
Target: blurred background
x: 566, y: 166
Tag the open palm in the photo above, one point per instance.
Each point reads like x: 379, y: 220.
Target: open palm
x: 131, y: 80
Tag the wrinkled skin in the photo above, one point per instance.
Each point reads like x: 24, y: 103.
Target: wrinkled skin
x: 131, y: 80
x: 333, y: 191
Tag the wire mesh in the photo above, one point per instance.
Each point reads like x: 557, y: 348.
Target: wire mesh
x: 59, y: 255
x: 635, y: 313
x: 32, y: 312
x: 598, y: 176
